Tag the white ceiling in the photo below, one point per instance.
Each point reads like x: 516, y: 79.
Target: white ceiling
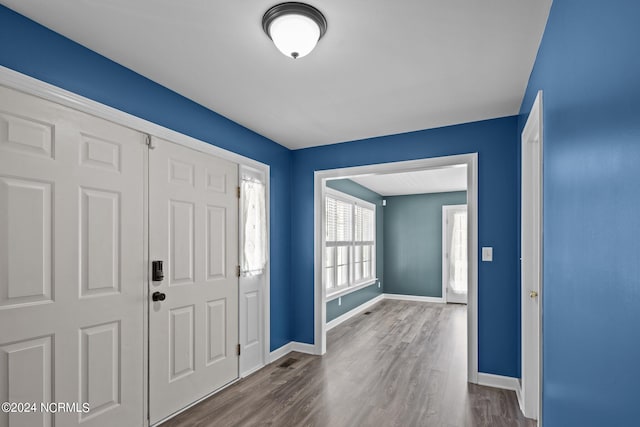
x: 441, y: 180
x: 383, y: 67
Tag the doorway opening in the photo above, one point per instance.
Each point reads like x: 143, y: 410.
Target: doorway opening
x: 470, y: 162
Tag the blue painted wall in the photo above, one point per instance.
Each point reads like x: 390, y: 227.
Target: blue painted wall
x: 589, y: 66
x: 498, y: 303
x: 354, y: 299
x: 413, y: 242
x: 36, y: 51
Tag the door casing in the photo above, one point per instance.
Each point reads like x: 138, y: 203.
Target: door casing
x: 471, y: 161
x: 531, y: 262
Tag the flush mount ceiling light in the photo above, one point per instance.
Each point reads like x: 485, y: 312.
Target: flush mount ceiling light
x: 295, y: 28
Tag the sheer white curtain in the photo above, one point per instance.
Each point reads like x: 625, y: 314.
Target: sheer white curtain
x: 254, y: 226
x: 458, y: 253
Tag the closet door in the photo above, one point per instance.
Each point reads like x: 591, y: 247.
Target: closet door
x: 193, y: 318
x: 71, y: 266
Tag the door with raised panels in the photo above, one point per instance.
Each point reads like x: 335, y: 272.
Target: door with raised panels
x: 71, y: 266
x: 252, y: 283
x: 193, y: 318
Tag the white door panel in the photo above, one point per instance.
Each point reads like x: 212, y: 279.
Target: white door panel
x: 252, y: 287
x: 71, y: 244
x: 194, y: 231
x: 251, y: 326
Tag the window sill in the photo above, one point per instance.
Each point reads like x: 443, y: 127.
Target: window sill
x: 345, y: 291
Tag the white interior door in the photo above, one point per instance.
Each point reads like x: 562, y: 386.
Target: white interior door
x: 253, y: 252
x: 531, y: 263
x: 193, y: 229
x: 71, y: 270
x: 454, y: 253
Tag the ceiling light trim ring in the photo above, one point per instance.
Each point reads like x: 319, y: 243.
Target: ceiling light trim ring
x: 296, y: 8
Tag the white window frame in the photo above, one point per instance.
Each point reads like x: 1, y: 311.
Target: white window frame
x: 351, y: 285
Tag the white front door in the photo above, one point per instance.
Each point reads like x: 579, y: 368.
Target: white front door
x: 454, y: 253
x: 71, y: 270
x: 193, y: 229
x: 531, y: 263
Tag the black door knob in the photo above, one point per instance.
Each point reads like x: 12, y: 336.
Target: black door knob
x: 158, y: 296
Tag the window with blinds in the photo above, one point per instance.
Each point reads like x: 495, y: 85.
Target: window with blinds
x: 349, y: 253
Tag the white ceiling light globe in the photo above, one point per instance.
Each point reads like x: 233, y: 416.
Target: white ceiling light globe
x: 295, y: 28
x: 294, y: 35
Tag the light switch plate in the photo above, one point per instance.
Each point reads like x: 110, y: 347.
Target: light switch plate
x: 487, y: 253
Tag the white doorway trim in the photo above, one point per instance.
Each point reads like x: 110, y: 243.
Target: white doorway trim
x: 446, y: 243
x: 531, y: 262
x: 471, y: 161
x: 29, y: 85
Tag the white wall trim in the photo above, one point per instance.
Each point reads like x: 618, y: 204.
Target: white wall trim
x: 402, y: 297
x: 498, y: 381
x: 354, y: 312
x: 302, y: 347
x: 289, y: 347
x: 350, y: 289
x: 521, y: 402
x: 280, y: 352
x: 471, y: 160
x: 532, y: 188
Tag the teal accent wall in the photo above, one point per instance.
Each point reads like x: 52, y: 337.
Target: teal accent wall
x: 354, y: 299
x: 413, y: 242
x: 351, y: 301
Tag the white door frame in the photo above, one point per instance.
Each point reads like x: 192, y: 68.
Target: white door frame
x: 29, y: 85
x: 531, y: 236
x: 471, y: 161
x: 446, y: 243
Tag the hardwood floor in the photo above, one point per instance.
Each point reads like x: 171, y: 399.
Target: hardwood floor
x: 404, y: 364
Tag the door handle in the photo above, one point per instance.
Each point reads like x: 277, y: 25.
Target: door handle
x: 158, y: 296
x: 533, y: 294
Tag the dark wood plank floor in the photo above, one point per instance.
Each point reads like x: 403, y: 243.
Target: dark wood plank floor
x: 404, y: 364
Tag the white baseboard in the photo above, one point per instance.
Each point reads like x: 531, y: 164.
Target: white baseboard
x: 280, y: 352
x: 300, y: 347
x: 520, y: 401
x: 414, y: 298
x: 499, y: 381
x: 353, y: 312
